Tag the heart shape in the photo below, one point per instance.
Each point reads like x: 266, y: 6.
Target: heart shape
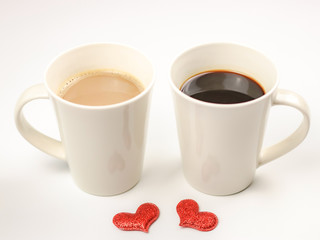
x: 145, y: 215
x: 188, y: 211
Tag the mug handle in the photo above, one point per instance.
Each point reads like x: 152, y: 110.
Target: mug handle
x: 36, y: 138
x: 288, y: 98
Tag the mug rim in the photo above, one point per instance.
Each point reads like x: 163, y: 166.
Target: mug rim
x: 145, y: 91
x: 220, y: 105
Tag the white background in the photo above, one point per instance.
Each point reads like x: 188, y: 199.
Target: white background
x: 39, y: 200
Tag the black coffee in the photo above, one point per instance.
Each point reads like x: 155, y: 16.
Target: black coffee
x: 222, y: 87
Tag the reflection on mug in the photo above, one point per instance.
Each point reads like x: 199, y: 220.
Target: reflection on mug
x: 126, y: 129
x: 210, y: 169
x: 116, y: 163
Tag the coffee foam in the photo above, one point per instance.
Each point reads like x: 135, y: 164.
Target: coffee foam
x: 67, y: 84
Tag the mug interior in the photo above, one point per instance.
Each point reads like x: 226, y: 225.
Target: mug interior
x: 99, y: 56
x: 224, y: 56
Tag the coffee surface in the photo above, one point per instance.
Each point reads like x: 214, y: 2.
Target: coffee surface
x: 100, y: 87
x: 222, y: 87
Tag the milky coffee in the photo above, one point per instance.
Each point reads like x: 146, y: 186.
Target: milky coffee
x: 100, y: 87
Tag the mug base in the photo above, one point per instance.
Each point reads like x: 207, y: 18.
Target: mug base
x: 220, y: 191
x: 107, y: 192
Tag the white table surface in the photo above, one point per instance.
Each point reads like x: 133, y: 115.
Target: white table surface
x: 38, y: 198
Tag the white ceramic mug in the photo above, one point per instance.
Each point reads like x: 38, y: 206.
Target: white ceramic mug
x: 103, y: 145
x: 221, y: 144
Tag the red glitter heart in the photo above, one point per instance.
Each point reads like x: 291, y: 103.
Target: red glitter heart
x: 145, y: 215
x: 188, y: 211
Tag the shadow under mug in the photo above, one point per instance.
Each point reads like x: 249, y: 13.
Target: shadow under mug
x: 221, y: 144
x: 103, y: 145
